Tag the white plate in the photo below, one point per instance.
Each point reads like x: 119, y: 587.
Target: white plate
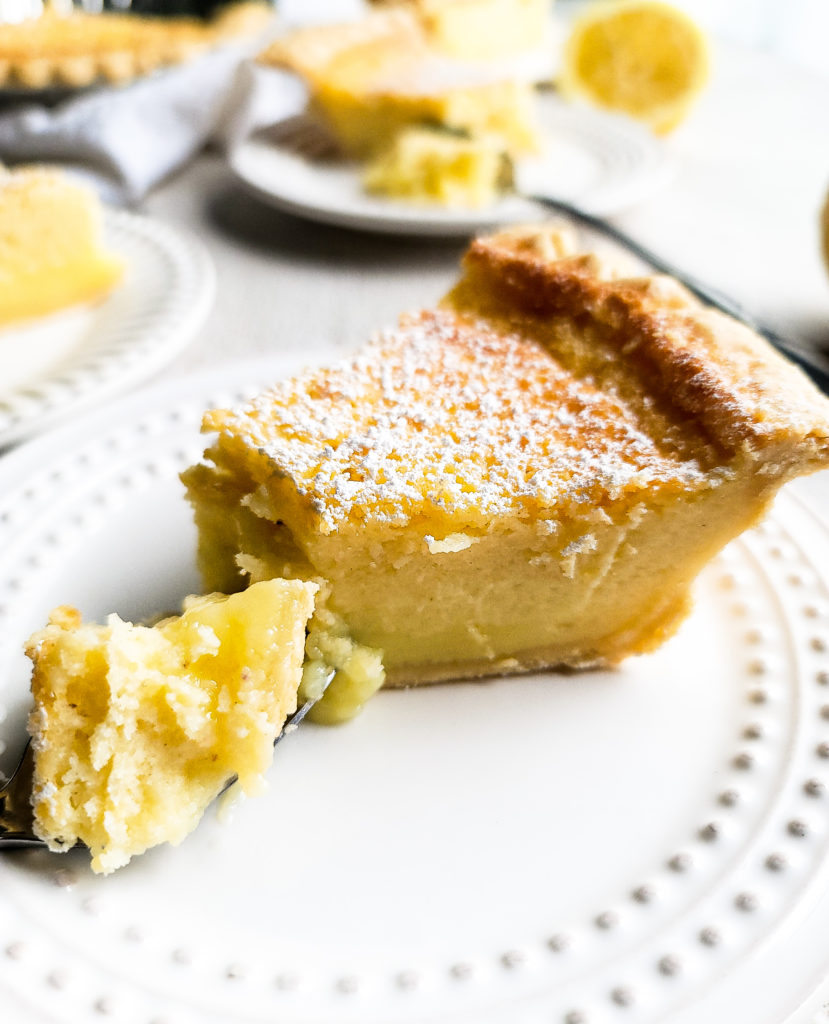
x: 60, y: 364
x: 601, y: 161
x: 637, y: 846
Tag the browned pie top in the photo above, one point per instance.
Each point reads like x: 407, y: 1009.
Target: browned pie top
x: 543, y: 391
x: 647, y: 335
x: 379, y: 36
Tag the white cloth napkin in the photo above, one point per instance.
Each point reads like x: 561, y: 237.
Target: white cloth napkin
x: 259, y: 96
x: 127, y: 139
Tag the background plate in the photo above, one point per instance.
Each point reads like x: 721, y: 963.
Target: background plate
x: 643, y: 845
x: 601, y: 161
x: 57, y: 365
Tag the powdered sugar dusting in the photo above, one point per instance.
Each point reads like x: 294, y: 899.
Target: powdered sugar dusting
x: 444, y: 416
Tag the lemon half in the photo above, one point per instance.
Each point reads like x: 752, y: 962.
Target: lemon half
x: 641, y: 57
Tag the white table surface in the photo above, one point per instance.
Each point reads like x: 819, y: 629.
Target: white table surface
x: 741, y: 212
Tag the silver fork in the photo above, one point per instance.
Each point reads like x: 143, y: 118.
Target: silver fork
x: 304, y: 136
x: 16, y: 816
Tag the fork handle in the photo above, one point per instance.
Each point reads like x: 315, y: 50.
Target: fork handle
x: 20, y: 841
x: 710, y: 296
x: 16, y: 816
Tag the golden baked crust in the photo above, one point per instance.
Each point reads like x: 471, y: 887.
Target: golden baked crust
x: 744, y: 394
x: 310, y: 51
x: 650, y: 389
x: 81, y: 49
x: 449, y: 414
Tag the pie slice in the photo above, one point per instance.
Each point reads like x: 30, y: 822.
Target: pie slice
x: 79, y: 49
x: 530, y: 476
x: 372, y: 78
x: 136, y: 729
x: 52, y: 251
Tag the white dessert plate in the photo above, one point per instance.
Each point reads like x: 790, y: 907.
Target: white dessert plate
x: 642, y: 845
x: 601, y: 161
x: 57, y: 365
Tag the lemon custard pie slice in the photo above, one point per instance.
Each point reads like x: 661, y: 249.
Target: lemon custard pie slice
x: 531, y: 475
x: 372, y: 78
x: 52, y: 250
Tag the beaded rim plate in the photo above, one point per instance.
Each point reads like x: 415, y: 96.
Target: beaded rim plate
x: 60, y: 364
x: 643, y: 845
x: 603, y: 162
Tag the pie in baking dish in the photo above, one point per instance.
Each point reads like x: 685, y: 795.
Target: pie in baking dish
x: 136, y: 729
x: 80, y: 49
x: 52, y: 250
x: 529, y: 476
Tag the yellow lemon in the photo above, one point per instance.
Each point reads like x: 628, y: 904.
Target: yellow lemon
x: 641, y: 57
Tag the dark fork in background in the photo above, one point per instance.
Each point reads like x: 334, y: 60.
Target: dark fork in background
x: 710, y: 296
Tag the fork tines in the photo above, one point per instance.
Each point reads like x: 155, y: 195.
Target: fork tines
x: 305, y: 137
